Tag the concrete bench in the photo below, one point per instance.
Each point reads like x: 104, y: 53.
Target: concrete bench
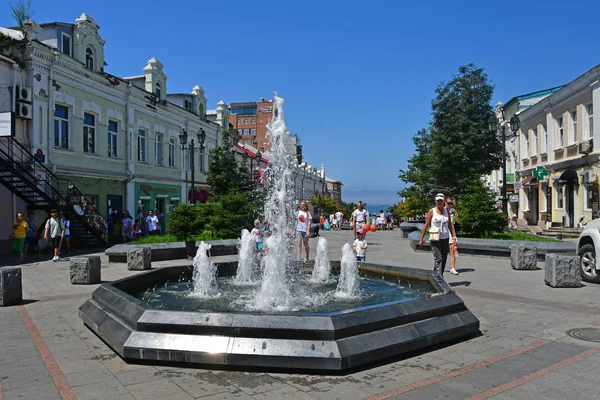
x: 562, y: 271
x: 407, y: 228
x: 139, y: 258
x: 85, y: 270
x: 11, y: 286
x: 523, y: 257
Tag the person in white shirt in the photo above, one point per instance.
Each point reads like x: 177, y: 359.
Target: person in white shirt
x: 359, y: 218
x: 303, y: 221
x: 67, y: 238
x: 360, y: 246
x: 339, y: 217
x: 256, y: 232
x: 152, y: 223
x: 127, y: 227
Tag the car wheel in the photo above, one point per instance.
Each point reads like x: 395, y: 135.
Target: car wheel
x: 587, y: 257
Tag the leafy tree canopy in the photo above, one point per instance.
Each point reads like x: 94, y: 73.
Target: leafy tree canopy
x: 479, y: 216
x: 22, y: 12
x: 324, y: 203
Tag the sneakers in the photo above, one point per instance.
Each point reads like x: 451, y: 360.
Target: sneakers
x: 55, y: 258
x: 453, y: 271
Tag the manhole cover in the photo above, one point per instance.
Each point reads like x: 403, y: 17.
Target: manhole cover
x: 588, y: 334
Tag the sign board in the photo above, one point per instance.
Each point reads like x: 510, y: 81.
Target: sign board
x: 540, y: 172
x: 514, y: 198
x: 266, y: 109
x: 549, y: 203
x: 7, y: 124
x: 510, y: 177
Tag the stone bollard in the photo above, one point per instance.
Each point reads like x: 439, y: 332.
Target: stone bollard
x: 562, y: 271
x: 139, y: 259
x: 11, y: 287
x: 523, y: 257
x: 85, y: 270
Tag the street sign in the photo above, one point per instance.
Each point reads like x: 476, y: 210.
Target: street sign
x: 540, y: 172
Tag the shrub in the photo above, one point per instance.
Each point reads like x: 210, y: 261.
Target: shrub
x: 478, y: 214
x: 184, y: 222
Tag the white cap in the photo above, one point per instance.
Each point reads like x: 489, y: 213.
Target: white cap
x: 440, y: 196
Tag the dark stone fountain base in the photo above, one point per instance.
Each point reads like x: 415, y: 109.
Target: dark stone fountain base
x: 304, y: 341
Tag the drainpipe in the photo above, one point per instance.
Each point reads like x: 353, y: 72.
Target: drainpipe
x: 127, y: 152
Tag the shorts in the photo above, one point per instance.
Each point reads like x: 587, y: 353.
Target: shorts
x: 359, y: 225
x: 301, y: 233
x: 67, y: 236
x: 55, y: 242
x: 259, y: 245
x: 32, y: 241
x: 18, y: 245
x: 360, y: 258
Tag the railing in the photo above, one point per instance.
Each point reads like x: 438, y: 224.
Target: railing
x: 59, y: 192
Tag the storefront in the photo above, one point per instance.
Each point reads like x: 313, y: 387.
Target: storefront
x: 156, y: 196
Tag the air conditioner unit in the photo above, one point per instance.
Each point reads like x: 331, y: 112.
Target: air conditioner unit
x: 23, y: 94
x: 586, y: 147
x: 24, y: 111
x: 589, y: 177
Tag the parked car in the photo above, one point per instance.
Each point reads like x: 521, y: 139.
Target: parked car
x: 588, y: 245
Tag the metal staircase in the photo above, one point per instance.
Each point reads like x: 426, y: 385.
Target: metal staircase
x: 37, y: 186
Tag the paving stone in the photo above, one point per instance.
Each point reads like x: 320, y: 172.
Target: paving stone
x: 159, y: 388
x: 199, y: 383
x: 38, y: 392
x: 85, y: 270
x: 523, y: 257
x: 100, y: 390
x: 139, y: 375
x: 284, y: 393
x: 562, y: 271
x: 139, y: 259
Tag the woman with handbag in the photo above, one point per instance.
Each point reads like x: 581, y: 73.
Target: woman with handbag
x: 439, y: 226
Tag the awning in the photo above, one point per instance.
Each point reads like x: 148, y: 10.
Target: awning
x: 528, y: 180
x: 199, y: 195
x: 569, y: 176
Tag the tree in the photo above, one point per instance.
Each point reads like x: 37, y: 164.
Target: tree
x: 478, y: 214
x: 184, y: 222
x: 324, y: 203
x: 411, y: 206
x: 22, y: 12
x: 458, y: 146
x: 227, y: 217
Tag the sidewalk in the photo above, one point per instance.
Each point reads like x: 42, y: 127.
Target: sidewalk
x: 524, y: 352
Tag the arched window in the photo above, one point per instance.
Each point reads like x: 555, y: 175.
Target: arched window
x: 158, y: 90
x: 89, y: 58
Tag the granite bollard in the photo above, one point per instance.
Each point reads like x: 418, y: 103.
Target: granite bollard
x: 85, y: 270
x: 11, y: 286
x: 562, y: 271
x: 523, y: 257
x: 139, y: 259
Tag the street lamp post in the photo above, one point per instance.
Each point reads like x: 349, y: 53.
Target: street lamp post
x: 515, y: 124
x: 183, y: 139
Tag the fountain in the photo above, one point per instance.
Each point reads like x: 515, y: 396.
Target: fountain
x: 276, y: 312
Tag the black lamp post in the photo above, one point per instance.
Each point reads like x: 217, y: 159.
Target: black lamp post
x: 515, y: 124
x: 183, y: 139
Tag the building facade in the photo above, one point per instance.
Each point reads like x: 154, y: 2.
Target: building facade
x: 559, y: 162
x: 116, y: 140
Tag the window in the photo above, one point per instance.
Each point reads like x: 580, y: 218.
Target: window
x: 172, y: 145
x: 253, y: 131
x: 158, y: 90
x: 239, y: 121
x: 201, y: 159
x: 245, y: 121
x: 61, y: 127
x: 66, y: 45
x: 253, y: 120
x: 89, y: 133
x: 141, y: 145
x: 545, y: 145
x: 588, y: 129
x: 187, y: 105
x: 587, y: 192
x: 158, y: 148
x: 245, y: 141
x: 559, y: 197
x: 89, y: 58
x: 534, y: 141
x: 526, y: 144
x: 113, y: 127
x: 560, y: 133
x: 572, y: 127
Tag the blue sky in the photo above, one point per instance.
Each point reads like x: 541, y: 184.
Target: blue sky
x: 357, y: 77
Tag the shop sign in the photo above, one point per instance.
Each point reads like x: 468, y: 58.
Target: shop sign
x: 150, y: 189
x: 510, y: 177
x: 266, y: 109
x: 540, y: 172
x: 7, y: 124
x: 514, y: 198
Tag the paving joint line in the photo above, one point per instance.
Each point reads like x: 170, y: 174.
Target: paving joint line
x: 458, y: 372
x: 64, y: 389
x: 534, y: 375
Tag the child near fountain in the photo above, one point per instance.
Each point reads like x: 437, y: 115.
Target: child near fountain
x: 257, y: 233
x: 360, y: 246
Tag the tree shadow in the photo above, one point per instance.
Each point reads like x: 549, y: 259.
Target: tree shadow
x: 461, y: 283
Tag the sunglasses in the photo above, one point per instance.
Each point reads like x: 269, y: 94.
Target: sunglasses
x: 449, y: 202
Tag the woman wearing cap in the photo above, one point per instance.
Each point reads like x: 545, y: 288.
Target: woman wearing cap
x: 441, y: 225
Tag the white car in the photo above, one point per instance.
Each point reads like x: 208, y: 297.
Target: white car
x: 588, y: 245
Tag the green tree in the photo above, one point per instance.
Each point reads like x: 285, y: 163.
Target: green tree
x: 324, y: 203
x: 458, y: 146
x: 479, y: 216
x: 184, y: 222
x: 22, y: 13
x: 227, y: 217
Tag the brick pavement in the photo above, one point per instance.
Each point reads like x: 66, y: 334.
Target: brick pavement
x: 524, y: 352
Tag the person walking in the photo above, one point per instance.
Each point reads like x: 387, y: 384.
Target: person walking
x: 67, y: 238
x: 161, y: 221
x: 453, y: 249
x: 127, y: 227
x: 339, y: 218
x: 57, y: 232
x: 31, y: 239
x: 19, y: 232
x: 439, y: 234
x: 152, y: 224
x: 303, y: 221
x: 359, y: 218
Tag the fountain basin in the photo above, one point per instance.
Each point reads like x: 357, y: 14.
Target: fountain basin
x: 326, y: 341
